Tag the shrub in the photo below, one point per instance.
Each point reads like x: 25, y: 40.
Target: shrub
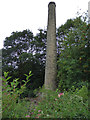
x: 70, y: 105
x: 11, y: 103
x: 11, y: 109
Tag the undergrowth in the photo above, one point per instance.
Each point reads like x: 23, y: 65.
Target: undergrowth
x: 52, y: 104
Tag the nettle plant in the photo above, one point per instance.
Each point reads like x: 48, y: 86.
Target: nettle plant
x: 13, y: 88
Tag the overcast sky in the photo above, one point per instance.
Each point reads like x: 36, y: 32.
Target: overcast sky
x: 18, y: 15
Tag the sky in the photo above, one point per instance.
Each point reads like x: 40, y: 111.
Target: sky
x: 19, y: 15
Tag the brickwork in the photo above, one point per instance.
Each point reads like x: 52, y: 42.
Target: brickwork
x: 50, y: 70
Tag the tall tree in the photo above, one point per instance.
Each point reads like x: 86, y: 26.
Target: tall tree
x: 73, y: 62
x: 24, y: 52
x: 14, y: 46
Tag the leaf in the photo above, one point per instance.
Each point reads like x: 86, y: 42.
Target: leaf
x: 4, y: 79
x: 27, y: 77
x: 29, y: 72
x: 23, y: 80
x: 25, y: 74
x: 12, y: 83
x: 6, y: 74
x: 16, y: 84
x: 16, y: 80
x: 8, y: 78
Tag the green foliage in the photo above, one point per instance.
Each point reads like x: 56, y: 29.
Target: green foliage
x: 11, y: 109
x: 83, y: 92
x: 27, y: 93
x: 26, y: 53
x: 70, y: 105
x: 73, y: 61
x: 13, y: 88
x: 8, y: 103
x: 11, y: 97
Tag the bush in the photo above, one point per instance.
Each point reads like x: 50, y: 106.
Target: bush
x: 72, y: 104
x: 27, y: 93
x: 69, y: 105
x: 53, y: 104
x: 12, y: 107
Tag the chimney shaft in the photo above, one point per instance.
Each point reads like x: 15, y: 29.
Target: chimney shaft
x: 51, y: 54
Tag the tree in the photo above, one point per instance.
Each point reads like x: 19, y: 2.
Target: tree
x: 24, y: 52
x: 14, y: 46
x: 73, y: 62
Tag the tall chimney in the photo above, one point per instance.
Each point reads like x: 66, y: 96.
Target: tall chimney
x: 51, y: 54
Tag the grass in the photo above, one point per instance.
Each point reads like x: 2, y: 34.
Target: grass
x: 73, y: 104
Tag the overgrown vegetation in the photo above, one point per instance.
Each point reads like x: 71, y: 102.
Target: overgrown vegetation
x: 71, y: 104
x: 24, y: 52
x: 73, y: 62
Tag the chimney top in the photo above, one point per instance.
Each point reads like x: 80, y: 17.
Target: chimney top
x: 52, y: 3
